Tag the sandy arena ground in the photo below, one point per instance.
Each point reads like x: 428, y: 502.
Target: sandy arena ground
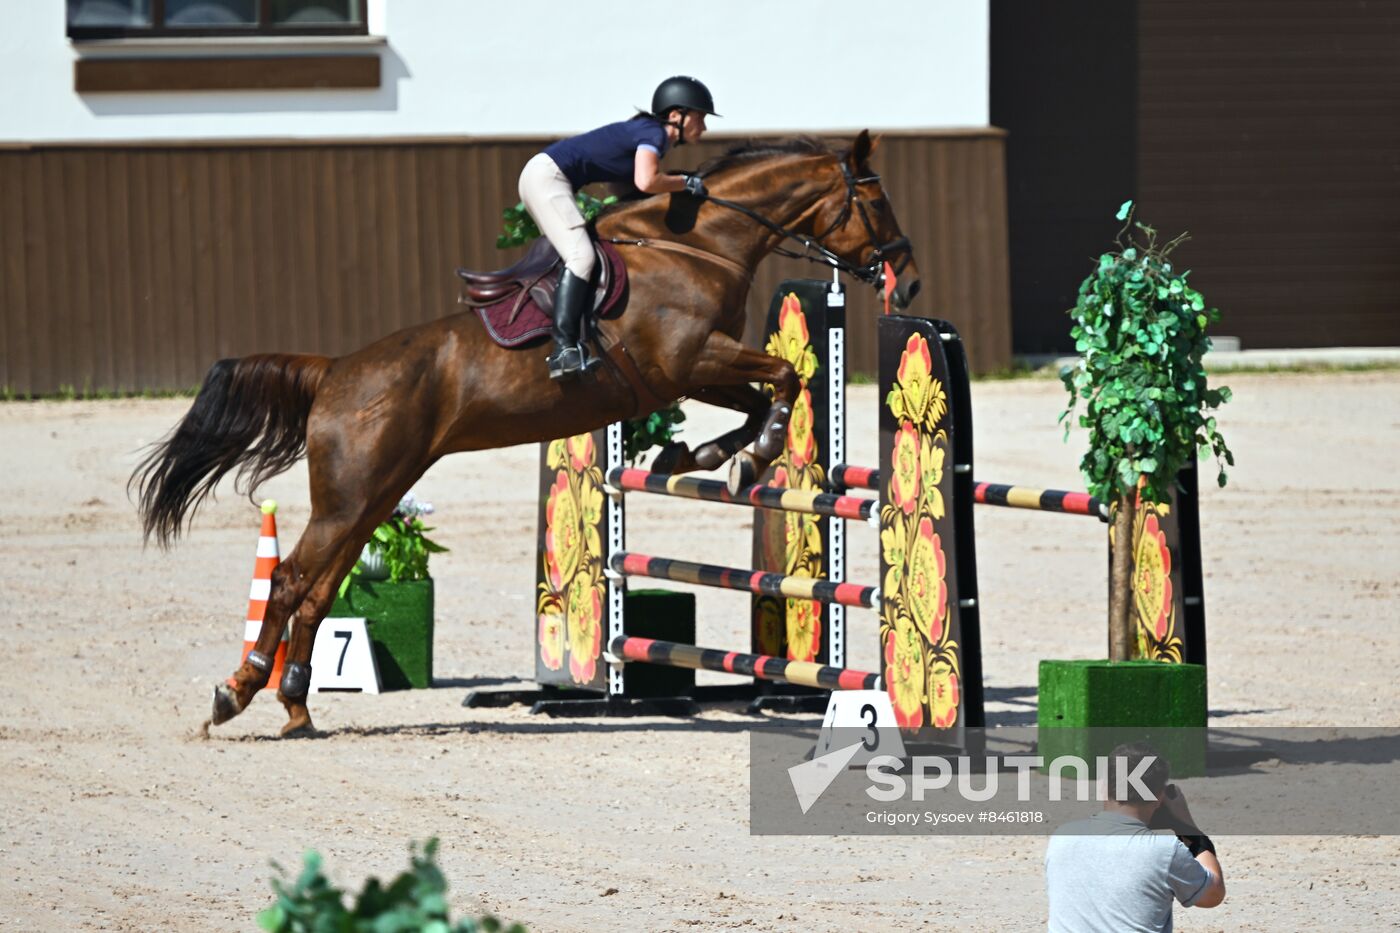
x: 117, y: 816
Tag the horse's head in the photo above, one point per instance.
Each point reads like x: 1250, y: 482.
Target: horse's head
x: 857, y: 223
x: 829, y: 202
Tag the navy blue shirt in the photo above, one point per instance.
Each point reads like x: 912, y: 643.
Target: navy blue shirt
x: 608, y: 153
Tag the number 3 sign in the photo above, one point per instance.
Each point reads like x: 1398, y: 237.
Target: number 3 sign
x: 863, y: 716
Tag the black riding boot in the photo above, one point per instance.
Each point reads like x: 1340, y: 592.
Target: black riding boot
x: 570, y: 357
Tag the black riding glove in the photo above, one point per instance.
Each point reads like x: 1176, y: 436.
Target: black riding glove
x: 1198, y: 844
x: 695, y: 186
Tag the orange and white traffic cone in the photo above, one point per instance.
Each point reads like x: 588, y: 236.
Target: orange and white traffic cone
x: 267, y: 559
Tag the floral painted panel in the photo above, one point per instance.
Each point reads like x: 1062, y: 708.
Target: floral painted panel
x: 792, y: 543
x: 571, y: 590
x: 929, y: 648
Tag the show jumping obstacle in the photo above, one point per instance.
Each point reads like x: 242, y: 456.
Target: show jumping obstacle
x: 1015, y: 497
x: 756, y: 496
x: 753, y: 581
x: 802, y: 673
x: 929, y: 620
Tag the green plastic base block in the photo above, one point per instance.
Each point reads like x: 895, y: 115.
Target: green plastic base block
x: 664, y: 615
x: 400, y: 620
x: 1088, y: 707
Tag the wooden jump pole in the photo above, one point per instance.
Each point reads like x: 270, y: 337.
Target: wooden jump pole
x: 756, y: 496
x: 628, y: 564
x: 765, y: 667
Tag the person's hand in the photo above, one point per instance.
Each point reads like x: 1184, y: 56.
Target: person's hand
x: 1174, y: 814
x: 695, y: 186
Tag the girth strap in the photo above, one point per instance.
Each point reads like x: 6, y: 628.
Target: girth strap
x: 644, y: 397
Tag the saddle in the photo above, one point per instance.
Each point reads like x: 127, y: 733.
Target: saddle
x: 517, y: 303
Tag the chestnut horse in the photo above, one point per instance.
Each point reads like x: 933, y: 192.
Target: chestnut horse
x: 372, y: 422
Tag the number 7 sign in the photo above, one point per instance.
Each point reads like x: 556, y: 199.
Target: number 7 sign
x: 342, y: 660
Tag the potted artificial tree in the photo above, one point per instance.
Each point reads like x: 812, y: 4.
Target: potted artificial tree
x: 1141, y: 331
x: 391, y: 589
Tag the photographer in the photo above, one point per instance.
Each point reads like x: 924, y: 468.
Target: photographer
x: 1114, y: 872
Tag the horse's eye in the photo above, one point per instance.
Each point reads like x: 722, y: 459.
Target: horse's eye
x: 877, y: 204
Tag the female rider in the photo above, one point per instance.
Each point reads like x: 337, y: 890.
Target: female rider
x: 629, y: 151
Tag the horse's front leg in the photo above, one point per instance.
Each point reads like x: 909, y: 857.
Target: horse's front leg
x: 725, y: 364
x: 676, y: 457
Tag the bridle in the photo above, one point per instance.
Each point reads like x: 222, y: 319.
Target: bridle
x: 814, y: 250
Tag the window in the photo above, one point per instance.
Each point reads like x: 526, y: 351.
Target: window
x: 112, y: 19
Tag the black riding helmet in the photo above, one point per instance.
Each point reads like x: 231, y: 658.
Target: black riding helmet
x: 682, y: 93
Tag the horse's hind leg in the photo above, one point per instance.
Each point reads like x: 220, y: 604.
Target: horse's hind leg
x: 291, y: 582
x: 725, y: 362
x: 324, y: 555
x: 337, y: 550
x: 288, y: 588
x: 350, y: 495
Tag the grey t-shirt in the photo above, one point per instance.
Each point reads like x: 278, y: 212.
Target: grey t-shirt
x: 1110, y: 872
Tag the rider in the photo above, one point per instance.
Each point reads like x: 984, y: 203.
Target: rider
x: 629, y: 151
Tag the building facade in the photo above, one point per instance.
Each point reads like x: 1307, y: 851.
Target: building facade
x: 185, y: 180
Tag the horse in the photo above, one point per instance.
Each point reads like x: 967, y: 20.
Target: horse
x: 371, y: 423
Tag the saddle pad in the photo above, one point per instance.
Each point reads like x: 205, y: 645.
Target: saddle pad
x: 513, y: 322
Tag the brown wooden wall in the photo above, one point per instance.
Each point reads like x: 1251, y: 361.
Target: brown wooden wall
x: 1270, y: 129
x: 135, y: 267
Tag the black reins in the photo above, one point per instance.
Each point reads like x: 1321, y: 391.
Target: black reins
x: 872, y: 272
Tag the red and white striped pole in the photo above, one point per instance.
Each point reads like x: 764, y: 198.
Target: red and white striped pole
x: 258, y: 593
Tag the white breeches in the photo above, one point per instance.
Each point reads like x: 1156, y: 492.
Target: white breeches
x: 549, y: 198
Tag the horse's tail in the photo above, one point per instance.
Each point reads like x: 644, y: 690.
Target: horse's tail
x: 250, y: 414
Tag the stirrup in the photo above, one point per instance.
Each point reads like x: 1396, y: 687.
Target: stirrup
x: 590, y: 362
x: 567, y: 362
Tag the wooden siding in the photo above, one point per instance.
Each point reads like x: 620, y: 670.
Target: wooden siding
x: 224, y: 73
x: 127, y: 268
x: 1268, y: 130
x: 1271, y: 131
x: 1069, y: 150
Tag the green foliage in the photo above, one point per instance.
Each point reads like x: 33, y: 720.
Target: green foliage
x: 414, y: 902
x: 656, y: 429
x: 520, y: 227
x: 1141, y: 330
x: 402, y: 542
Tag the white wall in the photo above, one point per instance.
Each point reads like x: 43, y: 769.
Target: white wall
x: 454, y: 68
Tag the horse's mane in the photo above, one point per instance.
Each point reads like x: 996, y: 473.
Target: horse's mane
x: 752, y: 151
x: 744, y: 154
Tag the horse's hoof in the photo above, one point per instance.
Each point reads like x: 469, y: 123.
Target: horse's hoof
x: 226, y: 705
x: 298, y: 727
x: 743, y: 472
x: 670, y: 457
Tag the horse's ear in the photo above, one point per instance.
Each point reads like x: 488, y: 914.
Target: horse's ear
x: 860, y: 152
